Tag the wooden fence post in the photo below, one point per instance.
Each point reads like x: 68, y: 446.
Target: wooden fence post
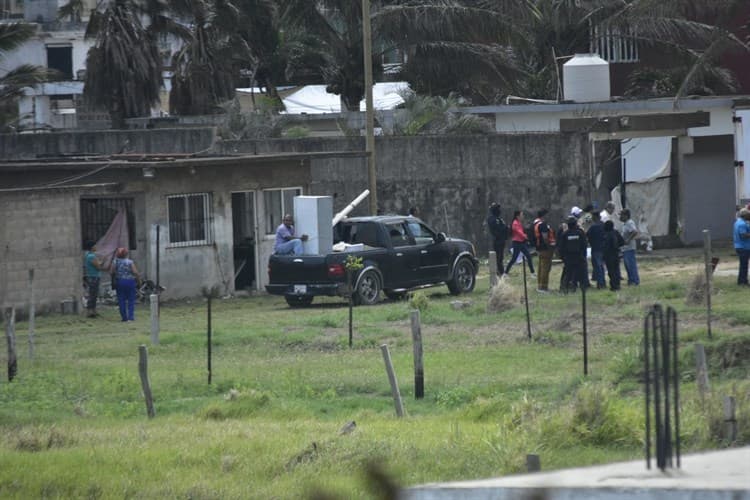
x: 730, y: 420
x: 709, y: 273
x: 493, y: 268
x: 210, y: 294
x: 10, y: 337
x: 208, y: 340
x: 701, y: 371
x: 154, y: 303
x: 392, y: 379
x: 32, y: 313
x: 145, y: 384
x: 416, y: 335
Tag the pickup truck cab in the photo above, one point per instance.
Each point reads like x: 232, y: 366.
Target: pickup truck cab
x: 399, y: 253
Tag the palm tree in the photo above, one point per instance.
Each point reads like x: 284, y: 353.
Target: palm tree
x: 451, y: 46
x: 206, y: 67
x: 436, y: 115
x: 336, y: 25
x: 692, y: 34
x: 123, y: 67
x: 12, y: 36
x: 264, y: 56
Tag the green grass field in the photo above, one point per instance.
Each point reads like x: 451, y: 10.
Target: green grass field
x: 73, y: 423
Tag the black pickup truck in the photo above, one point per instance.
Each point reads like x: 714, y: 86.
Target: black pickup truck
x: 399, y: 253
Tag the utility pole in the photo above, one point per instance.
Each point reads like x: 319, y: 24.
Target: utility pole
x: 369, y: 112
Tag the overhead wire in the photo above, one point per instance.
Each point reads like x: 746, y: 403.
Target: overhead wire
x: 72, y: 178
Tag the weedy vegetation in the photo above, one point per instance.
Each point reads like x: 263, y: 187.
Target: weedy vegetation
x: 73, y: 423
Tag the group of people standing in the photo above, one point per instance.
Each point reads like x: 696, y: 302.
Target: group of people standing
x: 582, y: 230
x: 125, y: 278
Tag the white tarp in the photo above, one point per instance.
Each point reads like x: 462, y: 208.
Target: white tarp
x: 648, y: 166
x: 313, y: 99
x: 742, y: 154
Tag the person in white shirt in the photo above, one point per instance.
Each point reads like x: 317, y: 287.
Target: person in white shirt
x: 606, y: 214
x: 629, y: 234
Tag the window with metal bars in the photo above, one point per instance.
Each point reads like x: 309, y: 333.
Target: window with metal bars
x: 97, y: 215
x: 277, y: 203
x: 189, y: 219
x: 615, y: 44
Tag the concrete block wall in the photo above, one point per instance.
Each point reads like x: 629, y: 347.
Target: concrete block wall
x: 165, y: 141
x: 452, y: 179
x: 41, y: 231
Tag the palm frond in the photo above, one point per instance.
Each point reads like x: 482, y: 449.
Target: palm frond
x: 71, y: 10
x: 432, y: 22
x: 15, y: 81
x: 13, y: 35
x: 124, y: 64
x: 701, y: 65
x: 470, y: 58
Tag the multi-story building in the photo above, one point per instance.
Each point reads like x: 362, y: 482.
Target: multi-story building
x: 60, y: 45
x: 621, y: 48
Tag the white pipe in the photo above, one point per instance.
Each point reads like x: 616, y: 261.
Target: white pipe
x: 350, y: 206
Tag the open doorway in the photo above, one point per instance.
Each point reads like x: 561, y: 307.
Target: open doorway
x: 244, y: 231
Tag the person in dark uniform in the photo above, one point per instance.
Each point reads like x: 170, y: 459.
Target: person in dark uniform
x: 612, y: 243
x: 499, y: 233
x: 573, y: 246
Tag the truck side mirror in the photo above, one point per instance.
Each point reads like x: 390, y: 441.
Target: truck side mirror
x: 440, y: 237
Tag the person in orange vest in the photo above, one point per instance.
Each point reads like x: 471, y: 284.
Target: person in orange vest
x: 544, y: 238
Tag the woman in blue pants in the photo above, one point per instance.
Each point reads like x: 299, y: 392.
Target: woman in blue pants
x: 126, y: 278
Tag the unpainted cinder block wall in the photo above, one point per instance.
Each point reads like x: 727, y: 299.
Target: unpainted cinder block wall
x: 41, y: 231
x: 158, y: 141
x: 452, y: 179
x: 41, y: 228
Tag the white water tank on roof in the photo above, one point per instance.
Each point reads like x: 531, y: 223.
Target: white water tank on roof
x: 586, y: 79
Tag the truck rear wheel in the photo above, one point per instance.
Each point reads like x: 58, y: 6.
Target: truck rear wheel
x: 368, y: 289
x: 298, y: 300
x: 464, y: 277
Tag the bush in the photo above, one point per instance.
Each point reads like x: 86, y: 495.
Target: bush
x: 714, y: 408
x: 418, y: 300
x: 325, y: 321
x: 454, y: 398
x: 40, y: 439
x: 696, y: 292
x: 600, y: 418
x: 237, y: 405
x: 296, y: 132
x: 503, y: 297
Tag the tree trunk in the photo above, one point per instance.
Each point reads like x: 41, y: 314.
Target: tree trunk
x: 117, y: 112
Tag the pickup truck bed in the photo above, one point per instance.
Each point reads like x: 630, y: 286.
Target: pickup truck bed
x: 400, y: 253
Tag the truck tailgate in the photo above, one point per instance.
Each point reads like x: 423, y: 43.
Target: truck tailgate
x: 298, y: 269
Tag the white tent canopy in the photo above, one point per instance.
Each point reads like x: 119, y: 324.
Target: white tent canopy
x: 313, y: 99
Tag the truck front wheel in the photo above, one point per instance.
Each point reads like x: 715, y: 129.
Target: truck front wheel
x: 368, y: 289
x: 298, y: 300
x: 464, y: 277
